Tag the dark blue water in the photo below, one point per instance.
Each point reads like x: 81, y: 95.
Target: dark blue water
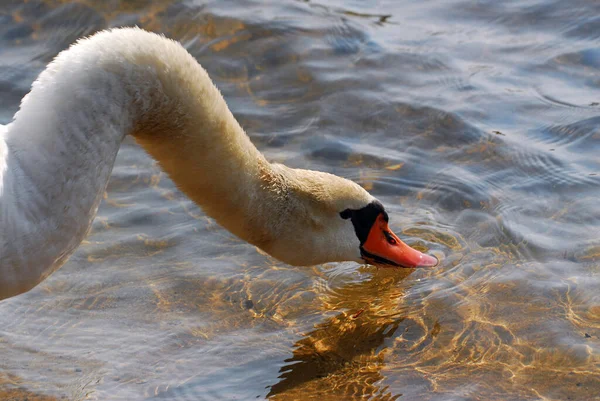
x: 476, y: 123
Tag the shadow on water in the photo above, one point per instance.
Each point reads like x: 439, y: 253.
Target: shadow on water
x: 344, y: 356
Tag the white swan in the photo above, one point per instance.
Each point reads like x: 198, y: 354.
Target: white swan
x: 57, y: 155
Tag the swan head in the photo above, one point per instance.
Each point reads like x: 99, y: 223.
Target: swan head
x: 327, y: 218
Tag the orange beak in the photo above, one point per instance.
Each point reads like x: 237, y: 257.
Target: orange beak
x: 383, y: 247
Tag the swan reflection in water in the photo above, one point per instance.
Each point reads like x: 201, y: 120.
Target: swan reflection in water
x: 344, y: 356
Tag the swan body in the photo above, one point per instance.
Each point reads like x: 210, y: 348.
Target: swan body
x: 57, y: 154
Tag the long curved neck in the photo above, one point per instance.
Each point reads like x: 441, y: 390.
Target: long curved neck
x: 63, y: 143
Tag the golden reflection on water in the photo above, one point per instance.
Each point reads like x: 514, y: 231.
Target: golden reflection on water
x: 374, y: 350
x: 344, y: 356
x: 160, y: 302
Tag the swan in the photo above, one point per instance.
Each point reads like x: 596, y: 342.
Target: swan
x: 57, y: 154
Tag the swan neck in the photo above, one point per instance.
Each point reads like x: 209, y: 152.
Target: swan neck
x: 61, y: 146
x: 187, y: 127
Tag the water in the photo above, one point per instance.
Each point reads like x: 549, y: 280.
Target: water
x: 476, y: 123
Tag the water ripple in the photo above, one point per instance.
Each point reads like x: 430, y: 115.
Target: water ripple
x: 474, y: 122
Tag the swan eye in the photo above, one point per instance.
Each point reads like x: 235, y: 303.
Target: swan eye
x: 346, y: 214
x: 390, y: 239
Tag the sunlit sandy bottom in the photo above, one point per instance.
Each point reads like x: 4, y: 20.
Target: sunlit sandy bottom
x: 475, y: 123
x: 24, y: 395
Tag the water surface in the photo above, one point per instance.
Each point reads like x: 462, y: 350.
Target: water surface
x: 475, y: 123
